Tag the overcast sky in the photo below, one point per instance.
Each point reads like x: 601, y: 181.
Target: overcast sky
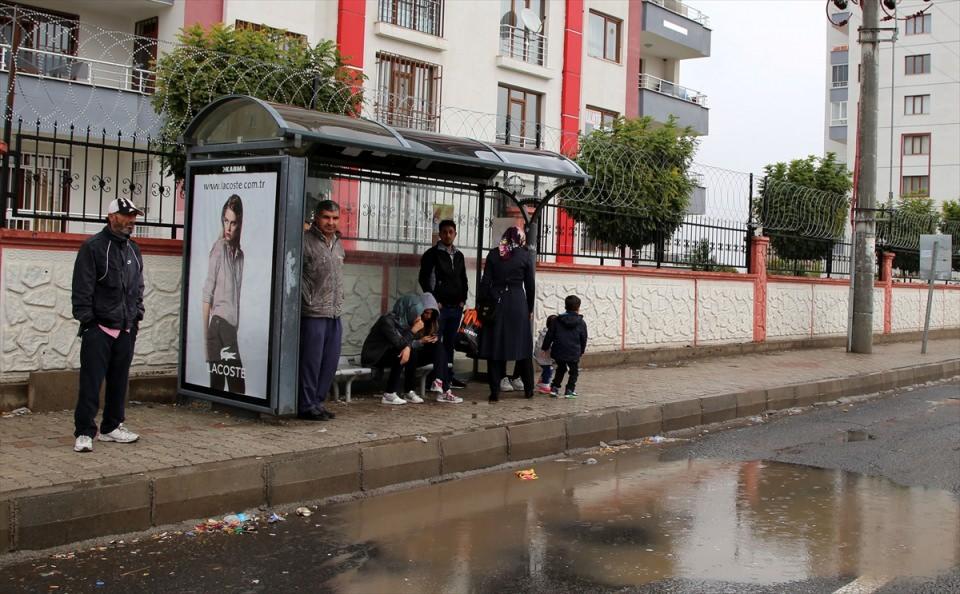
x: 764, y: 81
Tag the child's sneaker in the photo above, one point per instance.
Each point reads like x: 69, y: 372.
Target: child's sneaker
x: 437, y: 386
x: 570, y: 394
x: 554, y: 392
x: 392, y: 398
x: 413, y: 398
x: 505, y: 385
x: 449, y: 398
x: 543, y: 388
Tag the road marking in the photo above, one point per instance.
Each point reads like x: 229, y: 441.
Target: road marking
x: 863, y: 585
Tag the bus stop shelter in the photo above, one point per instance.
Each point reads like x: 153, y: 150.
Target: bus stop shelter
x: 256, y: 170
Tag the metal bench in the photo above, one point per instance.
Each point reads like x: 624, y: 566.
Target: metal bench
x: 348, y: 371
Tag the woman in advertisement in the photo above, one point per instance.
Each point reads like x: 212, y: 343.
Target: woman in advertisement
x: 221, y: 302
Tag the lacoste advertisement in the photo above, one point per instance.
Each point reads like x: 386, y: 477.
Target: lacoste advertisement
x: 230, y: 281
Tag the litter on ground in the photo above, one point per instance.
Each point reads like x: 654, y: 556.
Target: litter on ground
x: 527, y: 475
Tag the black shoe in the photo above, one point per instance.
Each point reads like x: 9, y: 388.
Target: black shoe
x: 457, y: 384
x: 329, y: 415
x: 494, y: 398
x: 528, y: 395
x: 310, y: 416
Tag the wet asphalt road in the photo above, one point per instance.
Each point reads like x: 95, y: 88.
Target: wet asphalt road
x: 804, y: 503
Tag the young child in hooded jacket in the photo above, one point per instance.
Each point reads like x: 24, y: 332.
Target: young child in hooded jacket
x: 566, y: 340
x: 543, y: 358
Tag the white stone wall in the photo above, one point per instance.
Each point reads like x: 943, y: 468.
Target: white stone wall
x: 724, y: 312
x: 39, y: 332
x: 789, y: 310
x: 660, y: 311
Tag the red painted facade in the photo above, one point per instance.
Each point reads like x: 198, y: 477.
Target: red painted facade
x: 202, y: 12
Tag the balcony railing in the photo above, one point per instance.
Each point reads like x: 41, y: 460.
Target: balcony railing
x: 99, y: 73
x: 425, y: 16
x: 523, y: 44
x: 683, y: 10
x: 666, y: 87
x: 839, y: 84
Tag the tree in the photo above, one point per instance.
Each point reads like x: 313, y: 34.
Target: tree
x: 640, y: 184
x: 950, y: 225
x: 900, y: 234
x: 803, y: 206
x: 264, y: 63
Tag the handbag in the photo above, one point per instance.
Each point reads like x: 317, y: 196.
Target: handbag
x: 468, y: 335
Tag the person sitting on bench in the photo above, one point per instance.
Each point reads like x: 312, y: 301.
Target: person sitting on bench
x: 403, y: 340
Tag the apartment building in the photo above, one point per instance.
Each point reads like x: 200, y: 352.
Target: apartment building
x: 528, y: 72
x: 918, y: 123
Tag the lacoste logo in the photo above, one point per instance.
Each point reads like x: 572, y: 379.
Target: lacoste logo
x: 226, y: 355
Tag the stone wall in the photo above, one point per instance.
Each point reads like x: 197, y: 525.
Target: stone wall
x: 625, y: 309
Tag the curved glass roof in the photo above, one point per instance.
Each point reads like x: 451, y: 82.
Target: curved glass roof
x: 242, y: 123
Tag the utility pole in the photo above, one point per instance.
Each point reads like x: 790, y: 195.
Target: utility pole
x: 864, y: 225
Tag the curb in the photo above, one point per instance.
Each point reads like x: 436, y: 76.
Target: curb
x: 51, y: 516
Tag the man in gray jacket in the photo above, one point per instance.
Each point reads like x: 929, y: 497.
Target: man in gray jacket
x: 321, y: 307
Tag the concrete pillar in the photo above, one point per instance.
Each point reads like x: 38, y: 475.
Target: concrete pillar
x: 758, y: 268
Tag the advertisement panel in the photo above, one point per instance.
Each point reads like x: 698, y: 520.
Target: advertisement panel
x: 229, y: 281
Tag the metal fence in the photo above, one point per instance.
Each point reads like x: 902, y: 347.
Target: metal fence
x: 63, y: 179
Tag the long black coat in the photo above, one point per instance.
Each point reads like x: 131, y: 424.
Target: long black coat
x: 510, y: 283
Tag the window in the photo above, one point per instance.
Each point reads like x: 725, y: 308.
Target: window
x: 603, y: 37
x: 840, y: 72
x: 425, y: 16
x: 918, y: 24
x: 47, y: 38
x: 522, y: 34
x: 597, y: 118
x: 43, y: 187
x: 838, y: 113
x: 916, y: 104
x: 288, y: 37
x: 919, y: 64
x: 518, y: 116
x: 408, y: 92
x: 916, y: 144
x: 915, y: 185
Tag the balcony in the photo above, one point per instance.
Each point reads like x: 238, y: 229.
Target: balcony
x: 660, y: 99
x: 523, y: 44
x: 673, y: 30
x: 80, y: 90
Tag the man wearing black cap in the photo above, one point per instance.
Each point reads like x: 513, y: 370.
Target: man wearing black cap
x: 108, y: 303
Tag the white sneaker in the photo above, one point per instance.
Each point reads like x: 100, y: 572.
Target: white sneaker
x: 448, y: 397
x: 517, y: 384
x: 437, y: 386
x: 413, y: 398
x: 84, y: 443
x: 505, y: 385
x: 392, y: 398
x: 119, y: 435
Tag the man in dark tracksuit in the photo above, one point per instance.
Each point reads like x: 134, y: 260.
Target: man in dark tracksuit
x: 108, y: 302
x: 443, y: 273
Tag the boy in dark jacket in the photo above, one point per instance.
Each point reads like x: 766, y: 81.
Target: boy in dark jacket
x: 567, y: 341
x: 443, y: 273
x: 401, y: 341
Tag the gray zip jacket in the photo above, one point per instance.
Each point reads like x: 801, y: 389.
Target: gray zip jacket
x: 321, y: 287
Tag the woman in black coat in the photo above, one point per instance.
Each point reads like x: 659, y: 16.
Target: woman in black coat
x: 508, y: 283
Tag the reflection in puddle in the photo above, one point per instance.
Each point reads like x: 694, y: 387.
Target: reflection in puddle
x: 632, y: 520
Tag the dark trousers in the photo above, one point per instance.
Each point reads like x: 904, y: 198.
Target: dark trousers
x: 319, y: 355
x: 546, y: 374
x: 223, y: 352
x: 102, y: 357
x: 450, y: 317
x: 562, y: 366
x: 497, y: 370
x: 405, y: 376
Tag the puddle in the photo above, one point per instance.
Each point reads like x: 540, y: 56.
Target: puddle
x: 856, y: 435
x: 626, y: 521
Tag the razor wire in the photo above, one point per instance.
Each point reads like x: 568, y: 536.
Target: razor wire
x: 86, y: 77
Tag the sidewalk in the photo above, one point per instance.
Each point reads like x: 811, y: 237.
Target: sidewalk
x: 193, y: 463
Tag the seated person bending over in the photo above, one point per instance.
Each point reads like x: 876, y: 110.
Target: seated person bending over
x: 403, y: 340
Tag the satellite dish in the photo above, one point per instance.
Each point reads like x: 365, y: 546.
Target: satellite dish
x: 531, y: 20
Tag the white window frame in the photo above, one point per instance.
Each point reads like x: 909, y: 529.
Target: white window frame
x: 833, y: 76
x: 838, y: 113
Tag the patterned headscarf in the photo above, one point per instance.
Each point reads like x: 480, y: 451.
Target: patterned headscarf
x: 513, y: 238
